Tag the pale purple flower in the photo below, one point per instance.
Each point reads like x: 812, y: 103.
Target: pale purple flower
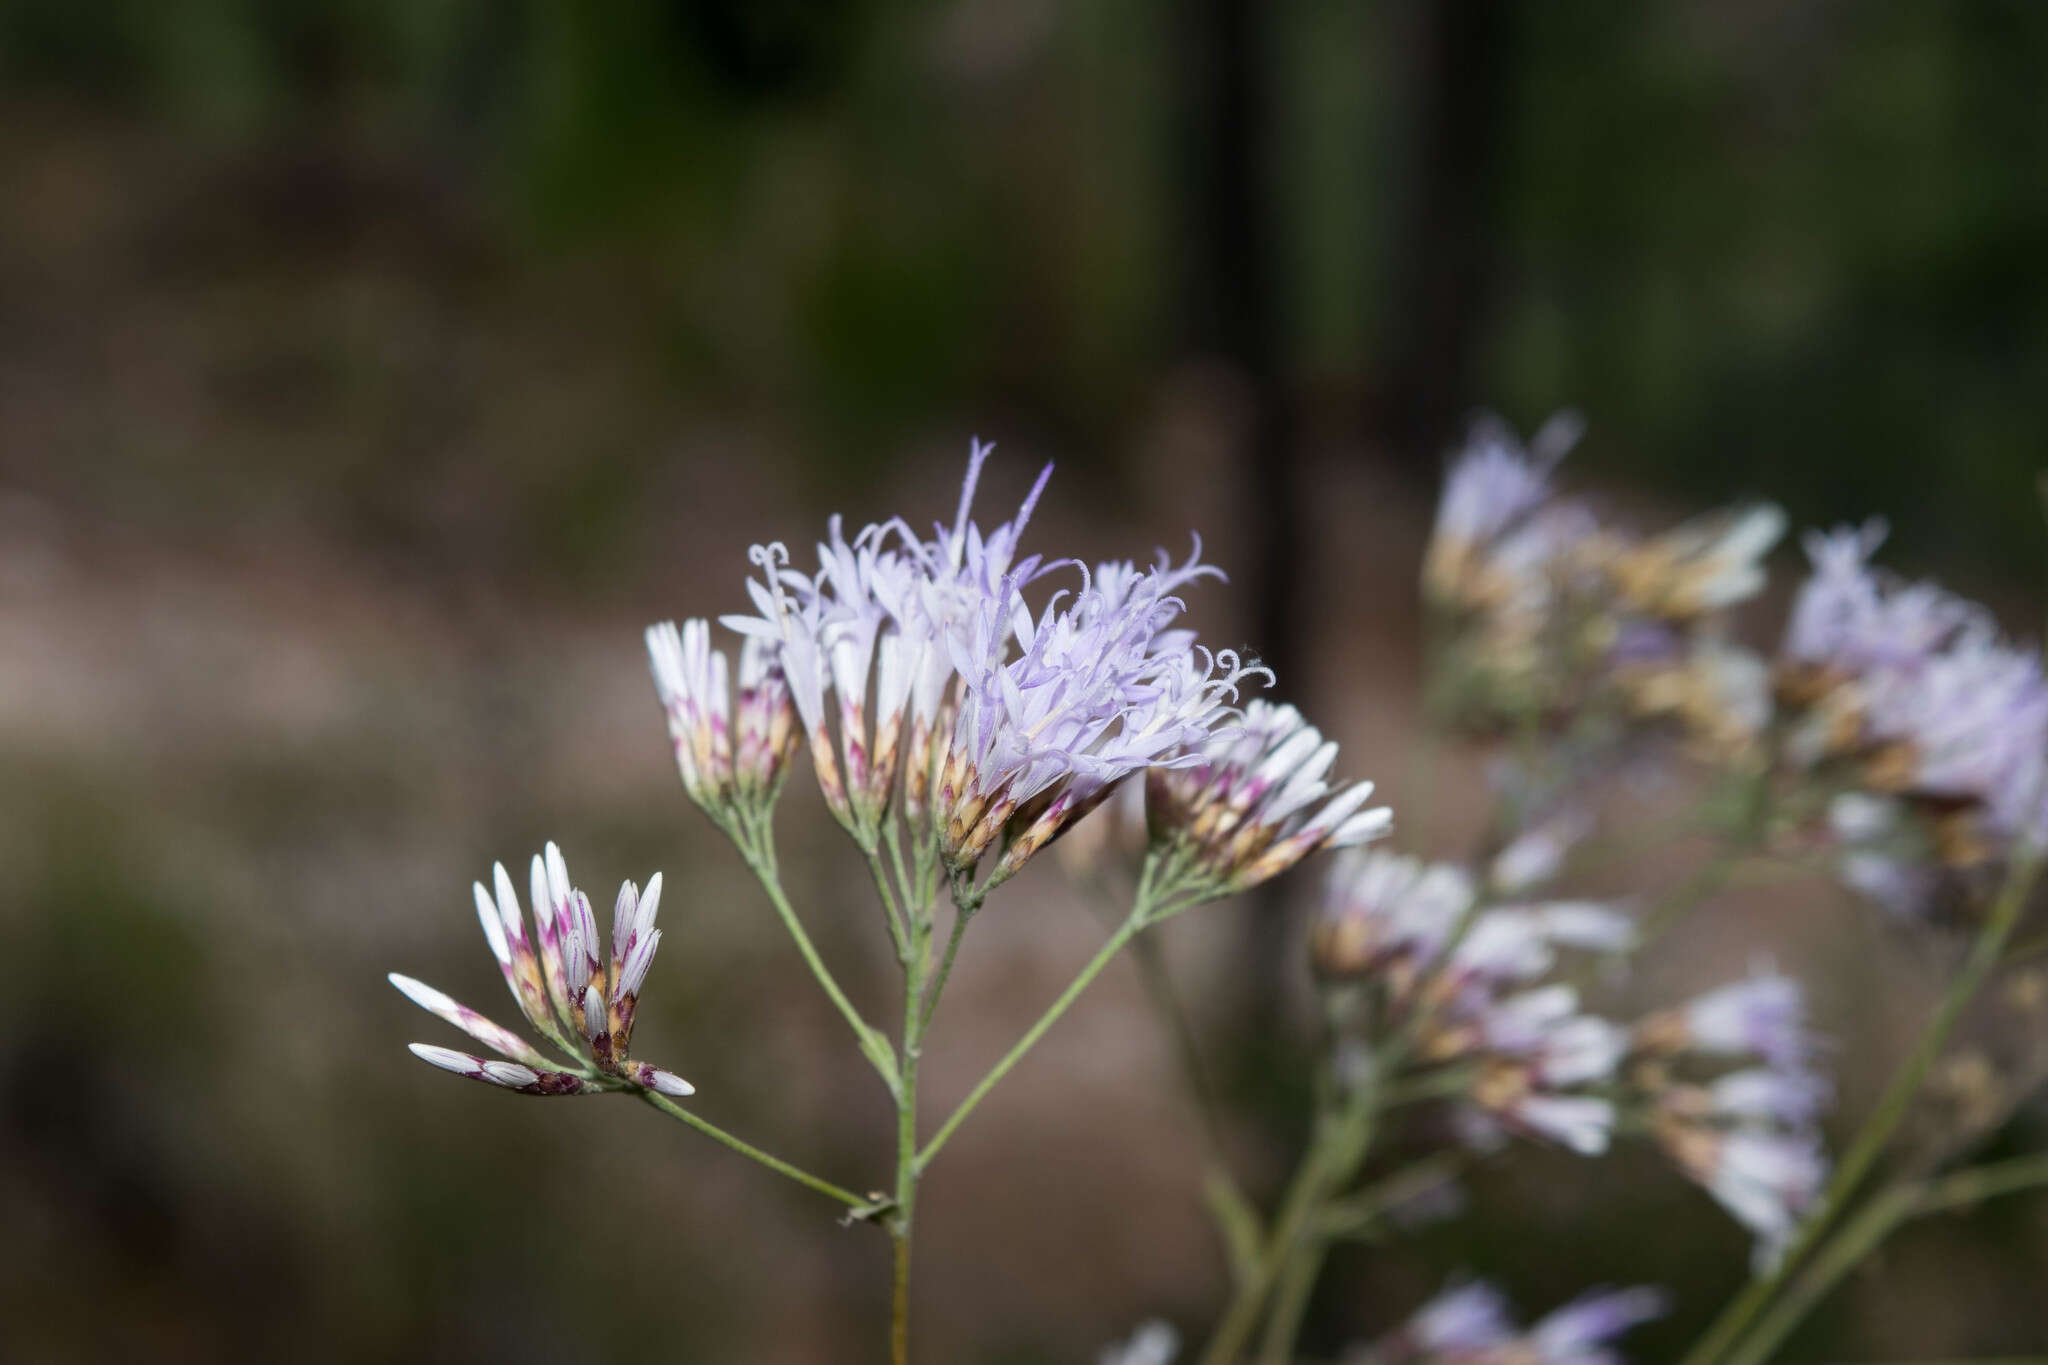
x: 1766, y: 1180
x: 1580, y: 1123
x: 1471, y: 1324
x: 562, y: 983
x: 1494, y: 486
x: 1011, y: 713
x: 1417, y: 932
x: 1701, y: 566
x: 791, y: 622
x: 1098, y: 688
x: 1922, y: 680
x: 1794, y: 1098
x: 1259, y: 801
x: 1537, y: 1046
x: 1512, y: 943
x: 1749, y: 1135
x: 1763, y: 1014
x: 1536, y: 855
x: 1154, y: 1343
x: 1848, y: 617
x: 1469, y: 1318
x: 1380, y: 907
x: 1580, y: 1332
x: 733, y: 737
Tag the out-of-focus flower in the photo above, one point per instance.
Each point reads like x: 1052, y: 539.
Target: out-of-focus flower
x: 566, y: 988
x: 1492, y: 488
x: 1471, y: 1317
x: 1702, y: 566
x: 1546, y: 614
x: 1886, y: 855
x: 733, y: 737
x: 1464, y: 976
x: 1719, y: 694
x: 1154, y: 1343
x: 1472, y: 1325
x: 1580, y: 1332
x: 1259, y: 801
x: 1765, y: 1178
x: 1388, y: 911
x: 1535, y: 856
x: 1763, y: 1014
x: 1905, y: 690
x: 1749, y: 1135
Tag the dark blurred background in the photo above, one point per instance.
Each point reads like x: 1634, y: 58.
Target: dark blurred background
x: 370, y: 373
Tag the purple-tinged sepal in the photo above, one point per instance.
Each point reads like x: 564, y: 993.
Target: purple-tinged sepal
x: 526, y: 1080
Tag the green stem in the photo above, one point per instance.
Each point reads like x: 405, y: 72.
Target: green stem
x: 1338, y: 1149
x: 1235, y: 1330
x: 1290, y: 1298
x: 1978, y: 1183
x: 1441, y: 1083
x: 907, y: 1165
x: 1123, y: 935
x: 1356, y: 1215
x: 1301, y: 1258
x: 873, y: 1046
x: 1891, y: 1110
x: 753, y: 1153
x: 945, y: 972
x: 890, y: 911
x: 1166, y: 1004
x: 1877, y: 1220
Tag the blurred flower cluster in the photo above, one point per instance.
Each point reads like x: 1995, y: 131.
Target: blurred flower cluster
x: 1545, y: 616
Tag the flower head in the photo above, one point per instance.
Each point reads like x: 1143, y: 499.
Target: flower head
x: 564, y: 985
x: 1765, y: 1178
x: 1015, y: 720
x: 1547, y: 613
x: 1056, y: 710
x: 1704, y: 565
x: 1911, y: 692
x: 1493, y: 485
x: 733, y: 737
x: 1763, y: 1014
x: 1466, y: 976
x: 1259, y: 801
x: 1749, y: 1134
x: 1472, y: 1324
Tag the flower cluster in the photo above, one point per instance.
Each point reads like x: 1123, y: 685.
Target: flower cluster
x: 1733, y: 1099
x: 1724, y: 1083
x: 1259, y: 800
x: 581, y: 1001
x: 1000, y: 723
x: 1471, y: 1324
x: 1466, y: 977
x: 1549, y: 613
x: 1936, y: 726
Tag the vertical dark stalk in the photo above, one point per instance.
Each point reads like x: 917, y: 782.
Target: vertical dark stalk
x: 1442, y: 268
x: 1233, y: 293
